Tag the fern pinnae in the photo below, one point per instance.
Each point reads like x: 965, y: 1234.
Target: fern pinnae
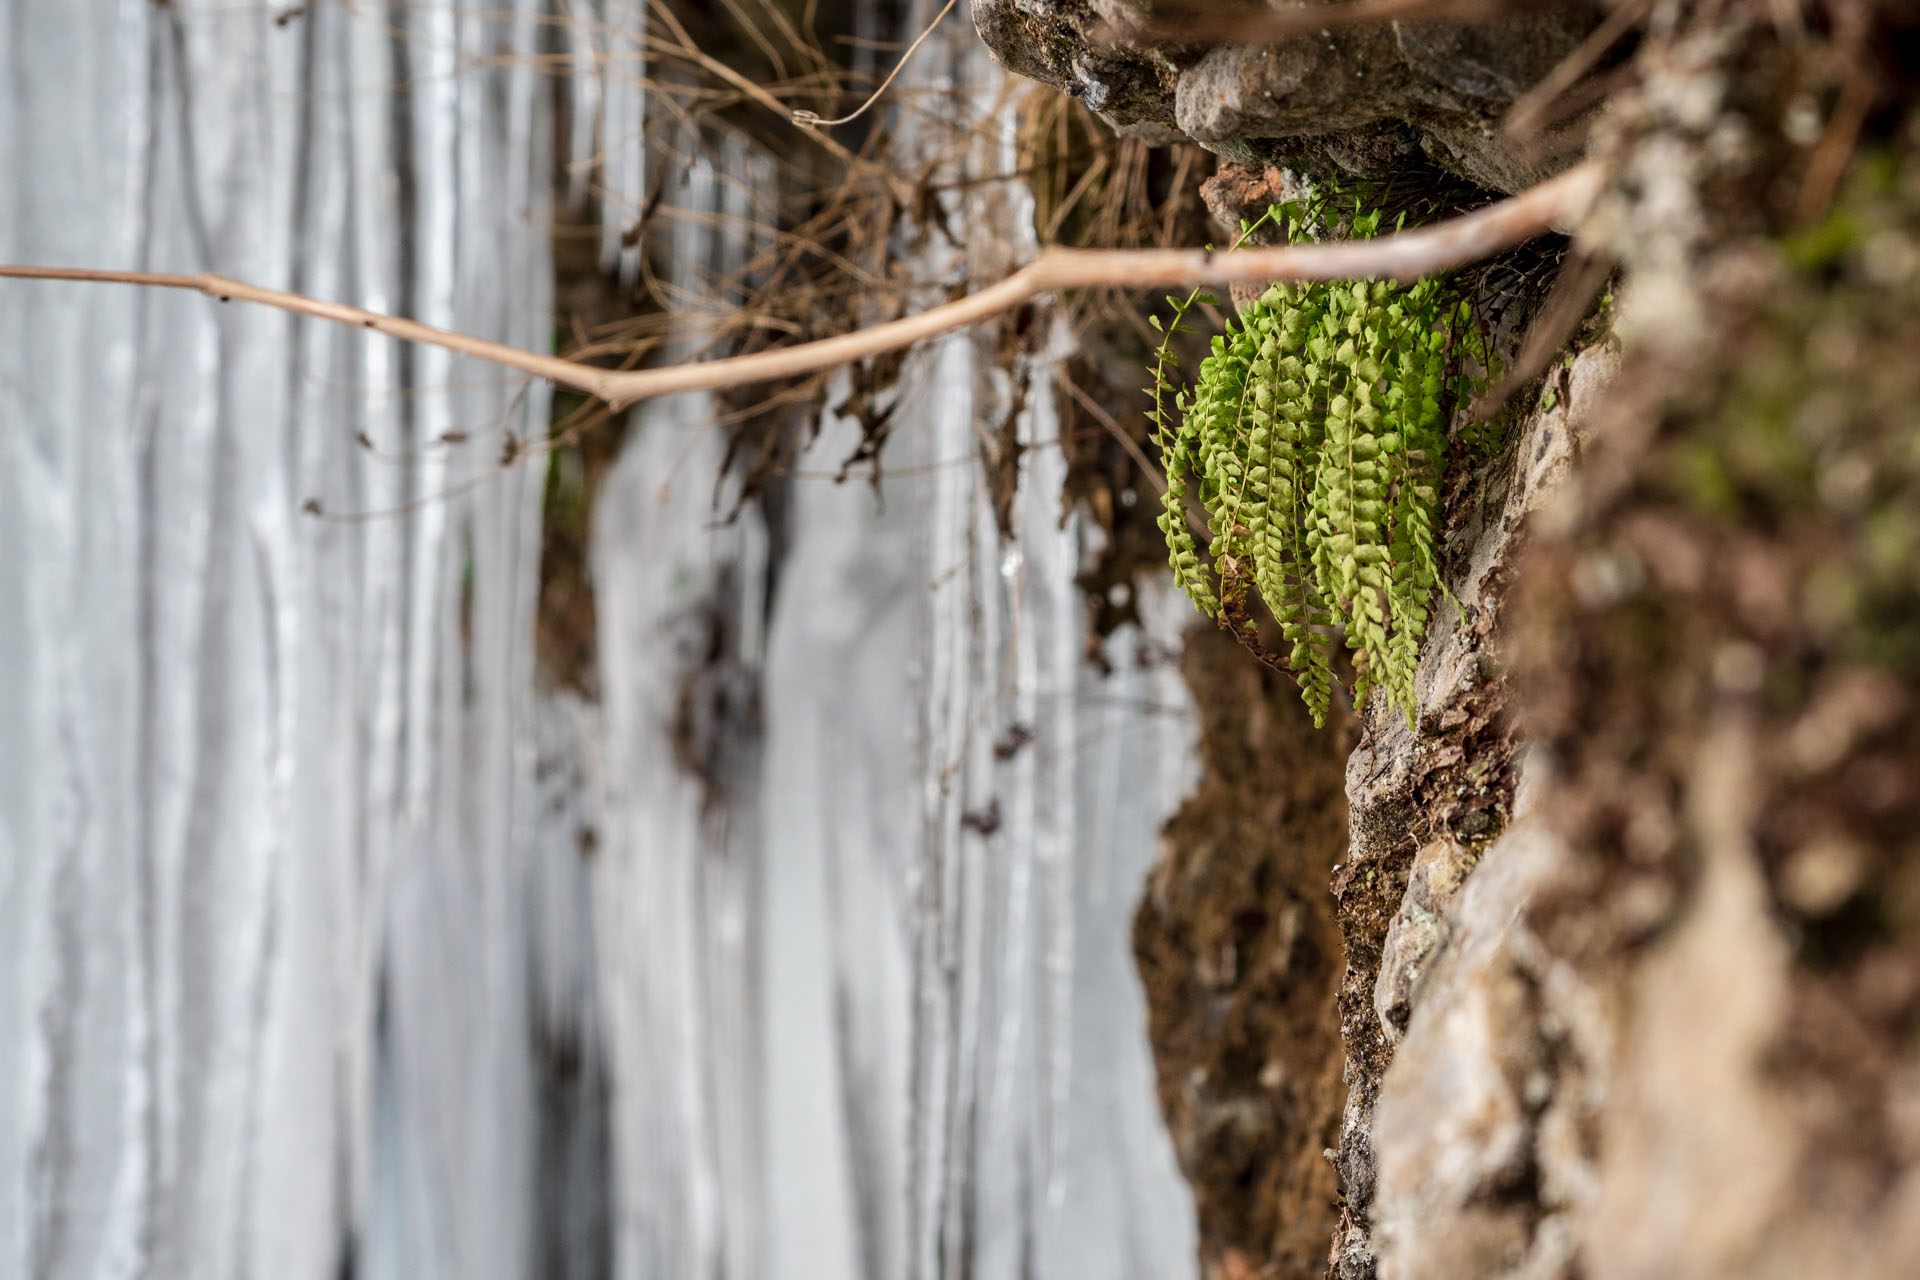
x: 1328, y: 379
x: 1244, y: 515
x: 1296, y: 428
x: 1177, y: 457
x: 1313, y: 437
x: 1215, y: 409
x: 1367, y: 493
x: 1412, y: 573
x: 1258, y: 420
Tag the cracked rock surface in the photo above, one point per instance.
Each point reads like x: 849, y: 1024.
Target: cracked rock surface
x: 1367, y: 99
x: 1424, y: 812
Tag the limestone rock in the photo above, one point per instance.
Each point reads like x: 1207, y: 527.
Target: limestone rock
x: 1419, y: 931
x: 1481, y: 1119
x: 1359, y: 97
x: 1417, y: 805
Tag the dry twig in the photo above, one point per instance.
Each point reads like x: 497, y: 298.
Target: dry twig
x: 1406, y: 255
x: 812, y: 120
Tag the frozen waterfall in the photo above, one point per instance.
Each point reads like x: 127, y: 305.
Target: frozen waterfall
x: 342, y: 944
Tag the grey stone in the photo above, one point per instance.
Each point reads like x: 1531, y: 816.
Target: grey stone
x: 1300, y: 89
x: 1347, y: 96
x: 1485, y: 1104
x: 1457, y: 1126
x: 1419, y: 931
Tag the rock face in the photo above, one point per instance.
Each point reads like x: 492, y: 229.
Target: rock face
x: 1365, y: 98
x: 1425, y: 807
x: 1631, y: 917
x: 1667, y: 1027
x: 1485, y: 1119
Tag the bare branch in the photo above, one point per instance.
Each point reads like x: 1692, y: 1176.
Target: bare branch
x: 812, y: 120
x: 568, y: 373
x: 1406, y: 255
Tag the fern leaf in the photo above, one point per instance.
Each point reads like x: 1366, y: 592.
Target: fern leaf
x: 1313, y: 438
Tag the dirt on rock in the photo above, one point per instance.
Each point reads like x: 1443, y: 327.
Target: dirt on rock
x: 1240, y: 954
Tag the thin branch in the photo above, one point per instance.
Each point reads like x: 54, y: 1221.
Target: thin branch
x: 1153, y: 474
x: 1829, y: 161
x: 568, y: 373
x: 812, y: 120
x: 1580, y: 281
x: 1406, y: 255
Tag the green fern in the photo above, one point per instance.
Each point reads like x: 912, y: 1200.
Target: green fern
x: 1313, y: 438
x: 1176, y: 440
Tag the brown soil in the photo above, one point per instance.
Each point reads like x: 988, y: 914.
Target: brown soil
x: 1240, y: 954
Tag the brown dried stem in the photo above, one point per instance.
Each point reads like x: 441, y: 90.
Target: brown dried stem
x: 1407, y: 255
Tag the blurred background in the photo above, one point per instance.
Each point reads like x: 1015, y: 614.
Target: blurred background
x: 444, y: 832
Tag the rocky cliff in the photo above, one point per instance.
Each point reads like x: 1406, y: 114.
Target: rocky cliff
x: 1615, y: 954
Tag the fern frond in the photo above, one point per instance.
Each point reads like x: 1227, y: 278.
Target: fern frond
x: 1314, y: 437
x: 1177, y: 454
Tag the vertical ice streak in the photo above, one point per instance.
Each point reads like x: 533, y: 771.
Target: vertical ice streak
x: 292, y: 838
x: 1000, y: 898
x: 606, y: 148
x: 259, y: 840
x: 680, y: 875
